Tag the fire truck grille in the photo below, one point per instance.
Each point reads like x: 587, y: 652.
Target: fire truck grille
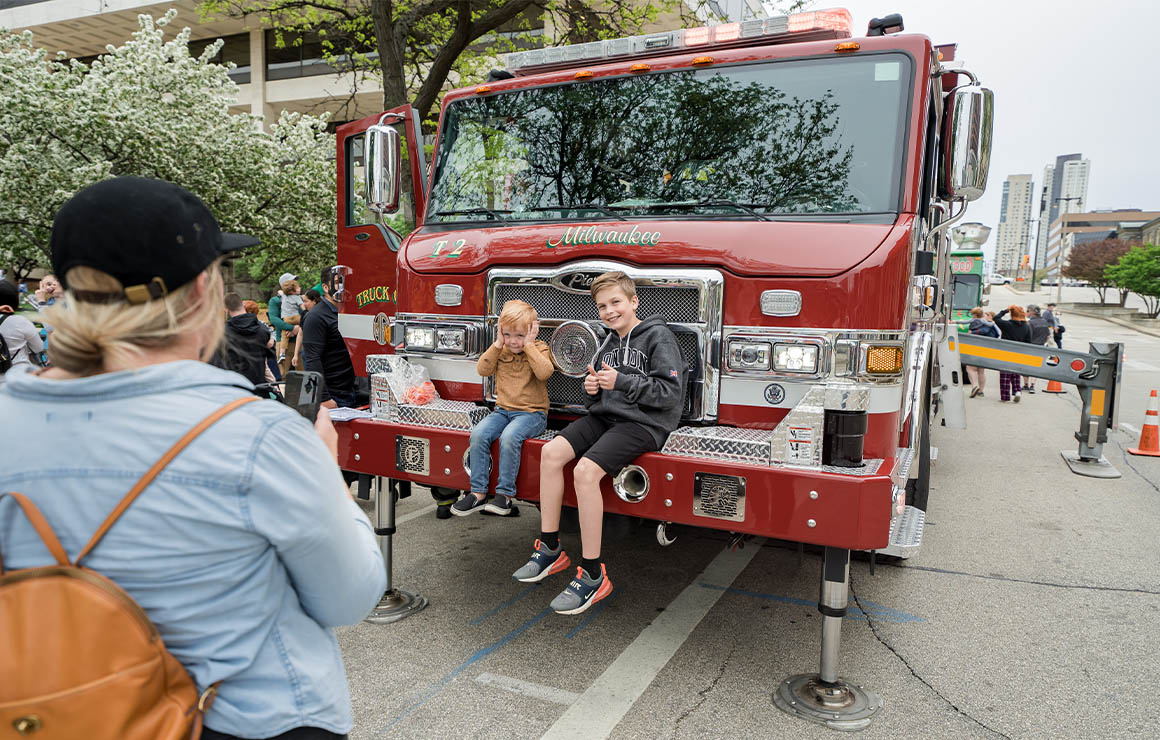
x: 719, y: 496
x: 566, y: 391
x: 676, y: 304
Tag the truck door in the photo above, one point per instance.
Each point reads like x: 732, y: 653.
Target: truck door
x: 367, y: 248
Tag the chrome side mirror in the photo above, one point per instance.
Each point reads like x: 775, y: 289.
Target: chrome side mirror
x: 383, y: 176
x: 967, y: 142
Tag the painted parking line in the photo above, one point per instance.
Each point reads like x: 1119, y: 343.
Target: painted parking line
x: 877, y: 612
x: 414, y: 514
x: 527, y: 688
x: 432, y: 690
x: 526, y: 590
x: 599, y: 709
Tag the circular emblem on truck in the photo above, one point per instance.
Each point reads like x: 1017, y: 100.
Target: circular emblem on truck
x: 774, y: 394
x: 382, y: 328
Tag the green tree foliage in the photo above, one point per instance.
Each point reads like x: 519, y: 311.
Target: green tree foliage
x: 1139, y: 272
x: 1091, y: 260
x: 420, y: 48
x: 148, y: 108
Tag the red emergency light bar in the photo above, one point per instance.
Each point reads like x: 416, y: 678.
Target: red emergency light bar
x: 811, y: 26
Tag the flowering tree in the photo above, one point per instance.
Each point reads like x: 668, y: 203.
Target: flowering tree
x: 148, y: 108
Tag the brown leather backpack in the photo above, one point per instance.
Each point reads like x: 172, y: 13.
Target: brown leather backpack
x: 79, y: 658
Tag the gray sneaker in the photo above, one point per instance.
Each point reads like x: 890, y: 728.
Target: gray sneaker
x: 469, y: 504
x: 500, y: 505
x: 543, y: 563
x: 582, y: 592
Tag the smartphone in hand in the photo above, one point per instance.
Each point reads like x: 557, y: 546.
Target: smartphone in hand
x: 304, y: 392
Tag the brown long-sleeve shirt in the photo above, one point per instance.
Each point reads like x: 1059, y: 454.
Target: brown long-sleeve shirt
x: 521, y: 380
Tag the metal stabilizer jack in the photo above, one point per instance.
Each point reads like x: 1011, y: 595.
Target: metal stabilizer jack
x: 396, y: 603
x: 824, y: 697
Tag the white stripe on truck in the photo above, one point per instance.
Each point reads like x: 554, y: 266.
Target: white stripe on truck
x: 751, y: 392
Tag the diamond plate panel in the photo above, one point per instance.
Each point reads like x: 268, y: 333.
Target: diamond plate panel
x: 905, y: 533
x: 843, y: 397
x: 442, y: 414
x: 383, y: 403
x: 720, y: 443
x: 902, y: 462
x: 869, y: 467
x: 797, y: 440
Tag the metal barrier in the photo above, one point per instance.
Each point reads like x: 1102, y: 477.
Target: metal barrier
x: 1095, y: 374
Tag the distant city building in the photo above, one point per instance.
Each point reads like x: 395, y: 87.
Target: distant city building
x: 1150, y: 232
x: 1014, y: 223
x: 1072, y: 229
x: 1066, y: 179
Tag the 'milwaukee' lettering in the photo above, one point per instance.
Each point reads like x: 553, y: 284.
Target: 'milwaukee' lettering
x: 596, y: 235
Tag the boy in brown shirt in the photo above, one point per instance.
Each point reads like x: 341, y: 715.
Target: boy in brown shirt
x: 521, y: 365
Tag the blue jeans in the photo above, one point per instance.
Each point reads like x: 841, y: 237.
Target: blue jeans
x: 511, y: 428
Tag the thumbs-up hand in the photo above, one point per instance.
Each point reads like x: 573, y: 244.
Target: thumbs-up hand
x: 591, y: 387
x: 606, y: 378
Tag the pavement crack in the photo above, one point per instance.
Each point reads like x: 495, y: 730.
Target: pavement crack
x: 703, y: 694
x: 1028, y: 581
x: 913, y: 672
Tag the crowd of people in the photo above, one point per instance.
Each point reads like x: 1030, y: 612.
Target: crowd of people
x: 1029, y: 324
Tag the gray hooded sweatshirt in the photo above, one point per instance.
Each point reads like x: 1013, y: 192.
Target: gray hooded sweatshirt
x: 650, y: 378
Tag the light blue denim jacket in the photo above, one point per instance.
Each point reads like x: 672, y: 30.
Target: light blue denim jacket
x: 244, y: 552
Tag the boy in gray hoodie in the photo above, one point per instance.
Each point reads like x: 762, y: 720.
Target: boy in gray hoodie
x: 634, y: 402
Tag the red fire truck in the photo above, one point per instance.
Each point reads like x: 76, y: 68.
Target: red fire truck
x: 781, y: 194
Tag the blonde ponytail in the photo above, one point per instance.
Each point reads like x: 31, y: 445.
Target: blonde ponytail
x: 88, y: 337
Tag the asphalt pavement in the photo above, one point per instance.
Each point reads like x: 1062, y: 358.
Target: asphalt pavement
x: 1032, y: 610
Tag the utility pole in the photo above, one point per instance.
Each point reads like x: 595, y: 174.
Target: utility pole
x: 1035, y: 256
x: 1062, y: 245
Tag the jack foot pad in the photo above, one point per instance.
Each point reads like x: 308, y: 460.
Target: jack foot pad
x: 839, y: 706
x: 396, y: 604
x: 1091, y: 468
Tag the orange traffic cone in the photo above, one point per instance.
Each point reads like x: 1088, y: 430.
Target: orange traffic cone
x: 1150, y: 434
x: 1054, y: 386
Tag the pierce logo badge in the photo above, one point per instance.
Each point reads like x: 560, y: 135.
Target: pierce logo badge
x: 382, y: 328
x: 774, y: 394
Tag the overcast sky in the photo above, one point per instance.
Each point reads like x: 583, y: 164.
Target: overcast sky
x: 1068, y: 77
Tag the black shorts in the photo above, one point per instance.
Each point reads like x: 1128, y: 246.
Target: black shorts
x: 609, y: 443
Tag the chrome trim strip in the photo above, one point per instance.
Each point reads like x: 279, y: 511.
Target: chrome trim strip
x: 884, y: 399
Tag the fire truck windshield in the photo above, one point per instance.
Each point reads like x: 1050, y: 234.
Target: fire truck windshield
x: 815, y: 138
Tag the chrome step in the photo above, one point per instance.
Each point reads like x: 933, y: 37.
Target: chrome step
x: 906, y: 533
x: 903, y: 459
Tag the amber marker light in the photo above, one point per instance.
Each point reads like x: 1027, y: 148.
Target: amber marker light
x: 584, y: 74
x: 639, y: 68
x: 482, y: 89
x: 702, y: 60
x: 883, y: 360
x: 848, y: 46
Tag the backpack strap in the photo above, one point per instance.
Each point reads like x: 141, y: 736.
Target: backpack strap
x: 42, y: 527
x: 158, y: 466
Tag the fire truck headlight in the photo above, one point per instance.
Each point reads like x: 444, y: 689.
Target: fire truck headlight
x: 451, y: 340
x: 749, y: 355
x: 795, y: 358
x: 420, y: 337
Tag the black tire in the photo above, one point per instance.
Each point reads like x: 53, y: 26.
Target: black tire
x: 918, y: 489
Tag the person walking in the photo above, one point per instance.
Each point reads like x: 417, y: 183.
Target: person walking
x: 324, y: 351
x: 247, y: 550
x: 982, y: 324
x: 1056, y: 327
x: 1014, y: 329
x: 1040, y: 333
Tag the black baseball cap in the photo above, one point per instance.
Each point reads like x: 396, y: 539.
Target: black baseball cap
x: 152, y: 235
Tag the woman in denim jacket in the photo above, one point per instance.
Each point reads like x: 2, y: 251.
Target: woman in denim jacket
x: 247, y: 550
